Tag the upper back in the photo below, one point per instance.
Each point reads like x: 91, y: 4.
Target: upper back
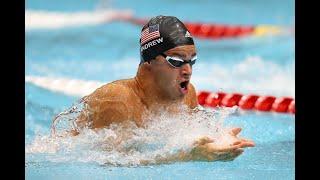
x: 113, y: 102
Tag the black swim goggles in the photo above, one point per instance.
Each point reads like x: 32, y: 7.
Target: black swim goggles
x: 177, y: 62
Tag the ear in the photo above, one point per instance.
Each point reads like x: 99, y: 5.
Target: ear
x: 146, y: 64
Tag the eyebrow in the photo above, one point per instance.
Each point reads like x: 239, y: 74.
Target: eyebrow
x: 182, y: 55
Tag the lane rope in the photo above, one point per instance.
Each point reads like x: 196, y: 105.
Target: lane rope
x: 247, y: 102
x: 219, y: 31
x: 80, y: 88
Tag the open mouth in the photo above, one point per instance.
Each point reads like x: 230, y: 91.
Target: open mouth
x: 184, y: 87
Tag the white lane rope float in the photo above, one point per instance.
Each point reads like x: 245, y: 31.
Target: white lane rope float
x: 71, y: 87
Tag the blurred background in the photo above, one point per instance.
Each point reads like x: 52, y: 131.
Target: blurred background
x: 78, y: 39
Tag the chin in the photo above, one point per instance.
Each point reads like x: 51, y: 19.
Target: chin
x: 178, y: 96
x: 176, y: 92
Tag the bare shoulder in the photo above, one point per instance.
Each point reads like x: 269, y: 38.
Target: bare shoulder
x: 110, y: 103
x: 191, y: 98
x: 192, y: 88
x: 117, y: 90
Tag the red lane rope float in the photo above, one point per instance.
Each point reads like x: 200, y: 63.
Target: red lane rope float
x: 202, y: 96
x: 231, y: 100
x: 264, y: 103
x: 282, y: 104
x: 292, y: 107
x: 214, y: 99
x: 218, y: 31
x: 247, y: 102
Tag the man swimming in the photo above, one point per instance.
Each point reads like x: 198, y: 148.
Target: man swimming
x: 162, y: 83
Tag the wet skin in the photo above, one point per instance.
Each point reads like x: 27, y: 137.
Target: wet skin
x: 157, y: 86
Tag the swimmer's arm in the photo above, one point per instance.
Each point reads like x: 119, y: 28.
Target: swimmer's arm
x: 201, y: 152
x: 197, y: 153
x: 178, y: 157
x: 204, y: 149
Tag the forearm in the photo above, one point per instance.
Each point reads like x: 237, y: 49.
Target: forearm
x: 169, y: 158
x: 195, y: 154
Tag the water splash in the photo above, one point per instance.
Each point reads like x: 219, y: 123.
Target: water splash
x: 126, y: 144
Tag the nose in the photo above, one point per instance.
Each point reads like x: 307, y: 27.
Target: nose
x: 186, y: 70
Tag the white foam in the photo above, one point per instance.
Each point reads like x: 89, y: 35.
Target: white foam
x: 39, y: 19
x: 162, y: 135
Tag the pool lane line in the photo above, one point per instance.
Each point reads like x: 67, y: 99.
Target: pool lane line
x: 80, y: 88
x: 266, y: 103
x: 220, y: 31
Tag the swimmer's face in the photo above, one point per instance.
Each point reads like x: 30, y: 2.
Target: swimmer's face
x: 174, y: 81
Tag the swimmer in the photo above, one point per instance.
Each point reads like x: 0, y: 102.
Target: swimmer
x: 162, y: 82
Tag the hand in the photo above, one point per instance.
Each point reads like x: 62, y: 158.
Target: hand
x: 208, y: 150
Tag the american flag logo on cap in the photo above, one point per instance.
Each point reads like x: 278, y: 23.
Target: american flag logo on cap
x: 150, y: 33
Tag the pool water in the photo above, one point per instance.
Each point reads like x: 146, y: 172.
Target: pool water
x: 105, y: 52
